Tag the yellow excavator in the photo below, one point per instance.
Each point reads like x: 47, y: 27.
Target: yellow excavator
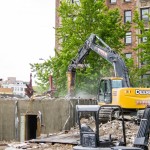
x: 112, y: 90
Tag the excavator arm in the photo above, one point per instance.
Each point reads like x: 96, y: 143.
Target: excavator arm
x: 102, y: 49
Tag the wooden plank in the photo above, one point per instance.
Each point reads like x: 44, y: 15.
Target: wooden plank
x: 63, y: 138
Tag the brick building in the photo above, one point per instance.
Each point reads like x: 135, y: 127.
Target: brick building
x: 57, y: 22
x: 126, y: 8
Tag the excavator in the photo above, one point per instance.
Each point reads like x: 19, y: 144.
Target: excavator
x: 115, y: 90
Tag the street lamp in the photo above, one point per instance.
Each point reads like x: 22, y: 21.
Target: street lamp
x: 41, y: 59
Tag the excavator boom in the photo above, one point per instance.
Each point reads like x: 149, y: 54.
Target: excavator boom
x: 102, y: 49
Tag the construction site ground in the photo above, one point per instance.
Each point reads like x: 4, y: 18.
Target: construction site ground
x: 65, y: 140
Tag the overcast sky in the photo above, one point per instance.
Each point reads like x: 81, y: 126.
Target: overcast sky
x: 26, y: 34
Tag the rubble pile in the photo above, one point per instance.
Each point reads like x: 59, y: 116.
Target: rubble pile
x: 112, y: 127
x: 33, y: 146
x: 37, y: 146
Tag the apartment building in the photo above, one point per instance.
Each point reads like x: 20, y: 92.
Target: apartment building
x: 126, y: 8
x: 17, y: 86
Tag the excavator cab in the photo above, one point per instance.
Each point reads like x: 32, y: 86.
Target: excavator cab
x: 105, y: 88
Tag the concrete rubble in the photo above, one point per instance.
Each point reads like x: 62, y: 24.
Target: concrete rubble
x: 112, y: 127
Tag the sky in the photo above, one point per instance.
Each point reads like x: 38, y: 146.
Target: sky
x: 26, y: 35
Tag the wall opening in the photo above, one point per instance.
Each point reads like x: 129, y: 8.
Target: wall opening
x: 31, y: 126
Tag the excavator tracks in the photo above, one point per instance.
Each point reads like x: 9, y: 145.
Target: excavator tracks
x: 106, y: 114
x: 109, y: 114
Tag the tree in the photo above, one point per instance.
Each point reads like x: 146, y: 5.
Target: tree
x: 77, y: 23
x: 143, y: 48
x: 42, y: 72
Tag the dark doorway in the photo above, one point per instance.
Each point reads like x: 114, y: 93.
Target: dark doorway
x: 31, y: 126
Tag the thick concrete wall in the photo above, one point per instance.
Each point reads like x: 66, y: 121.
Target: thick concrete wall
x: 7, y: 121
x: 57, y: 115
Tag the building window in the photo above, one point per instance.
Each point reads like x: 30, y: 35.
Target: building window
x: 75, y: 1
x: 144, y: 14
x: 144, y: 38
x: 113, y: 1
x: 127, y: 0
x: 145, y: 76
x: 127, y: 16
x: 143, y: 58
x: 143, y: 63
x: 146, y: 80
x: 128, y: 38
x: 128, y: 55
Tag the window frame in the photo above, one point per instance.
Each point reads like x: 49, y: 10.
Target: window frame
x: 127, y: 1
x: 145, y: 19
x: 143, y: 62
x: 126, y: 16
x: 144, y: 38
x: 129, y: 54
x: 146, y: 77
x: 111, y: 1
x: 75, y: 1
x: 128, y: 37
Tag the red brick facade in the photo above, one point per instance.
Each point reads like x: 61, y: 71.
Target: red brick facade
x: 57, y: 21
x: 122, y: 5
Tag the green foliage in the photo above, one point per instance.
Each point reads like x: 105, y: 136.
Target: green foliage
x: 133, y: 72
x: 143, y: 48
x: 39, y: 90
x: 42, y: 71
x: 77, y: 23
